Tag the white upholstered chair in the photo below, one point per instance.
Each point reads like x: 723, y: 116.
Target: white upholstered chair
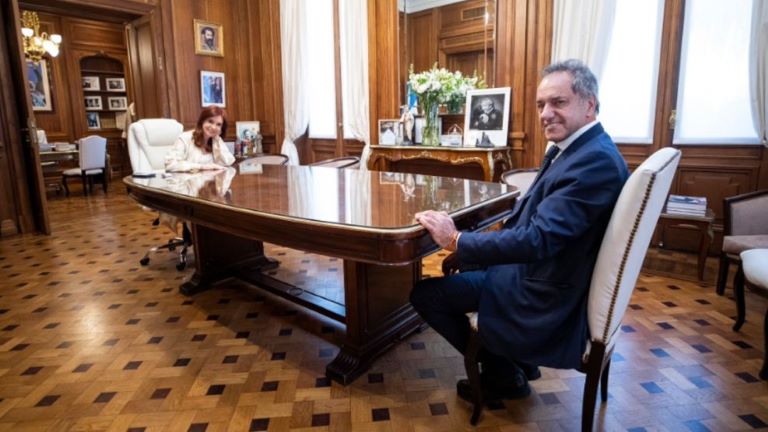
x: 92, y: 153
x: 148, y: 142
x: 267, y: 159
x: 618, y: 264
x: 754, y: 271
x: 339, y: 162
x: 521, y: 178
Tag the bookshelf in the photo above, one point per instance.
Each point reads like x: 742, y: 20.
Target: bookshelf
x: 105, y: 96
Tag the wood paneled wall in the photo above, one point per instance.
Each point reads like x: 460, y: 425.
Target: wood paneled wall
x: 251, y: 62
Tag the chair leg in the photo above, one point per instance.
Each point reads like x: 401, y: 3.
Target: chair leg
x: 764, y: 370
x: 722, y: 273
x: 738, y: 291
x: 84, y: 181
x: 594, y: 370
x: 66, y: 186
x: 473, y: 373
x: 604, y: 382
x: 104, y: 180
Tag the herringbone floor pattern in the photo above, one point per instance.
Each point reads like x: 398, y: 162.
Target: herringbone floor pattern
x: 92, y: 341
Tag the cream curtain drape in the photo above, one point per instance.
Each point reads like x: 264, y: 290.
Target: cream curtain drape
x: 353, y: 20
x: 758, y: 69
x: 582, y: 30
x: 294, y: 58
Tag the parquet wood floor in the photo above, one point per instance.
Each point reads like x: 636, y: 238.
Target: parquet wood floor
x: 92, y: 341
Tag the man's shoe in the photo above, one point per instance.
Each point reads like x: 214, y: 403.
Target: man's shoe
x: 493, y: 391
x: 532, y: 373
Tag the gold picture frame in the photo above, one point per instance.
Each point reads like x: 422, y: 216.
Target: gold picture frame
x: 209, y: 38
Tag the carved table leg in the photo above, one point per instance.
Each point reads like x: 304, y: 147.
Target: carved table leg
x: 219, y: 256
x: 378, y: 315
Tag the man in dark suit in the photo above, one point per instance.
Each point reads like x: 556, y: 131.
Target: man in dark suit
x: 534, y: 274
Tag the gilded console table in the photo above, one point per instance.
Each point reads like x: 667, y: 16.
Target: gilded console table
x: 488, y: 163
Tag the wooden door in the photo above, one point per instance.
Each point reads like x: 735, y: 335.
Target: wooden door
x: 23, y: 206
x: 145, y: 68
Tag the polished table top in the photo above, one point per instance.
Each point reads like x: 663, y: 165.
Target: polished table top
x: 356, y: 199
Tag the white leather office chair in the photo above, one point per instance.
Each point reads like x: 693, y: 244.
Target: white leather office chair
x: 754, y: 271
x: 148, y: 142
x: 618, y: 264
x: 521, y: 178
x: 93, y: 161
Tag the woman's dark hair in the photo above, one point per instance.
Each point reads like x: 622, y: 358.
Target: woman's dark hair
x: 205, y: 114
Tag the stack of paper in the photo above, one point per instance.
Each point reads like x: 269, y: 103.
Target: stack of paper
x: 687, y: 205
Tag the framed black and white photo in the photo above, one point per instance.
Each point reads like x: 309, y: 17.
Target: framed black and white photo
x: 93, y: 103
x: 209, y: 38
x: 91, y: 83
x: 486, y: 117
x: 117, y: 103
x: 388, y: 131
x: 212, y: 89
x: 39, y: 88
x: 115, y: 84
x: 92, y: 120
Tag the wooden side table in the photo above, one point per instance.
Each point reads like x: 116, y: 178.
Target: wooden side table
x: 702, y: 223
x: 493, y: 161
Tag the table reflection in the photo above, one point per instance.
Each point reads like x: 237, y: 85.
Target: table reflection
x: 371, y: 199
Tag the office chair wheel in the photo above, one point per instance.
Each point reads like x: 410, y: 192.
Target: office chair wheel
x: 144, y: 261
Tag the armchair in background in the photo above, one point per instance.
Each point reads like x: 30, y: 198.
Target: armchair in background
x: 148, y: 142
x: 93, y: 162
x: 745, y: 226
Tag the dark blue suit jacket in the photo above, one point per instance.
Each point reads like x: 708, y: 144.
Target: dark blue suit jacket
x: 533, y: 307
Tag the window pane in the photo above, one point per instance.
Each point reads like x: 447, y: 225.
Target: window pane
x: 713, y: 104
x: 321, y: 70
x: 628, y: 83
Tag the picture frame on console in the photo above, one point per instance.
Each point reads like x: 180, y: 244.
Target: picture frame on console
x: 486, y: 117
x: 389, y: 131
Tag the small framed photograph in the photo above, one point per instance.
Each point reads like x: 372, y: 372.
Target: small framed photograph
x: 209, y: 38
x: 93, y: 121
x: 117, y: 103
x: 247, y: 130
x: 115, y: 84
x: 212, y: 89
x: 91, y: 83
x: 39, y: 88
x: 93, y: 103
x: 486, y: 118
x: 388, y: 131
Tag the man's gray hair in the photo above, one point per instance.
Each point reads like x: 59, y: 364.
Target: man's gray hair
x: 584, y: 81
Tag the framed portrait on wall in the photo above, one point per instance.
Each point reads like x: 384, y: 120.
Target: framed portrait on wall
x: 212, y: 89
x: 209, y: 38
x: 93, y: 103
x: 91, y: 83
x: 39, y: 87
x: 486, y: 117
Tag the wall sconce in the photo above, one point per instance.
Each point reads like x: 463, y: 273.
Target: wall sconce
x: 37, y: 44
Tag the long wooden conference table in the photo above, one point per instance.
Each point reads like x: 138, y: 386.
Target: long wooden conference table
x: 364, y: 217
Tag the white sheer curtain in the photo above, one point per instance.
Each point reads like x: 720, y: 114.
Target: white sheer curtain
x: 758, y: 69
x: 293, y: 36
x: 582, y: 30
x: 353, y: 20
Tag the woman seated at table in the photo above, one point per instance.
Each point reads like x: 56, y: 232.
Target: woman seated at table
x: 201, y: 148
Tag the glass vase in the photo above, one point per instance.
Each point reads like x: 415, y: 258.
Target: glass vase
x: 431, y: 132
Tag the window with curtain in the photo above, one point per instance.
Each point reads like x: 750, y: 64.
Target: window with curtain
x: 321, y: 76
x: 713, y: 99
x: 628, y: 83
